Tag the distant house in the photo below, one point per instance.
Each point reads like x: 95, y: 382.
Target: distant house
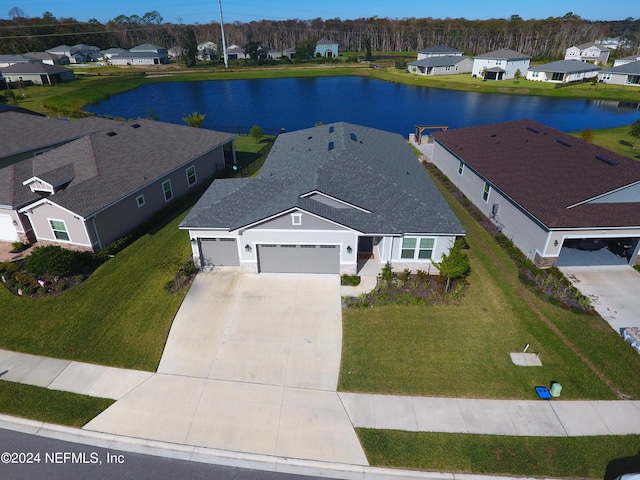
x: 326, y: 48
x: 625, y: 60
x: 441, y: 65
x: 626, y: 74
x: 500, y: 64
x: 160, y: 52
x: 8, y: 60
x: 110, y: 52
x: 235, y: 52
x: 613, y: 43
x: 79, y: 53
x: 37, y: 73
x: 86, y: 183
x: 557, y: 197
x: 326, y: 197
x: 438, y: 51
x: 48, y: 58
x: 207, y: 51
x: 588, y: 52
x: 563, y: 71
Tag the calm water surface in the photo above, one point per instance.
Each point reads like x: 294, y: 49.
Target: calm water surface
x: 295, y: 103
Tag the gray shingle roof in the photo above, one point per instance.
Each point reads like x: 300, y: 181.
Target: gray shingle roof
x: 566, y: 66
x: 632, y: 68
x: 32, y: 67
x: 584, y: 46
x: 504, y: 54
x: 371, y: 169
x: 109, y: 167
x: 442, y: 61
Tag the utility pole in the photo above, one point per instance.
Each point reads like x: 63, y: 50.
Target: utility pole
x: 224, y: 43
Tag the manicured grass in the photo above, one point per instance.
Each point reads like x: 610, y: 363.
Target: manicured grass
x: 49, y: 406
x: 574, y: 457
x: 462, y: 350
x: 616, y: 139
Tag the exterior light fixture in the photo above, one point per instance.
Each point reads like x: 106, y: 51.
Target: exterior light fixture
x: 193, y: 241
x: 555, y: 243
x: 247, y: 247
x: 349, y: 250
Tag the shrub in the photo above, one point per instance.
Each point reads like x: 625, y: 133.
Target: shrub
x: 55, y: 260
x: 387, y: 273
x: 18, y: 247
x: 8, y: 268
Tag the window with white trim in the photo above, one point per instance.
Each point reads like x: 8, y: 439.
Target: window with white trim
x: 166, y: 190
x: 296, y: 219
x: 414, y: 248
x: 486, y: 192
x: 59, y: 229
x: 140, y: 200
x: 460, y: 167
x: 191, y: 175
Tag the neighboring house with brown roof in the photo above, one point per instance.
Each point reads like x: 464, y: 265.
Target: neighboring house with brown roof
x: 86, y: 183
x: 555, y: 195
x: 500, y: 64
x: 38, y: 73
x: 588, y: 52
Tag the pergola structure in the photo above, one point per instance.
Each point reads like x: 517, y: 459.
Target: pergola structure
x: 422, y: 128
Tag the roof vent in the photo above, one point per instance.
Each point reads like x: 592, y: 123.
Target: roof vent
x: 111, y: 134
x: 533, y: 129
x: 493, y: 135
x: 331, y: 145
x: 564, y: 142
x: 353, y: 136
x: 330, y: 129
x: 135, y: 125
x: 607, y: 160
x: 309, y: 138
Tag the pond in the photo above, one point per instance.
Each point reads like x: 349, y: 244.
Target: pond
x: 296, y: 103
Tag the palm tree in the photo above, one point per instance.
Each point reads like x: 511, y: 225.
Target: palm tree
x: 195, y: 119
x: 635, y: 132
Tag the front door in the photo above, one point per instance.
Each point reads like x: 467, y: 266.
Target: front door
x: 365, y: 247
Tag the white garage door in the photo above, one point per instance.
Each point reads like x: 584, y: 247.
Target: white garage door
x: 7, y: 229
x: 219, y: 251
x: 299, y: 258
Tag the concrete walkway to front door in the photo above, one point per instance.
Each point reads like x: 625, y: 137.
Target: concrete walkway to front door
x: 251, y: 365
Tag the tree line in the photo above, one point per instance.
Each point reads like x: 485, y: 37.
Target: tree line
x: 543, y: 39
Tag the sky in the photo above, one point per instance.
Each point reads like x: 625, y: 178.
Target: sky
x: 198, y: 11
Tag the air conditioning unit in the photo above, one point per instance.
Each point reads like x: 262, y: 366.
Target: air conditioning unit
x: 494, y: 209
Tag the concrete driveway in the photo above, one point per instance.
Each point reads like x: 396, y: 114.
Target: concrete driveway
x: 251, y: 365
x: 613, y: 291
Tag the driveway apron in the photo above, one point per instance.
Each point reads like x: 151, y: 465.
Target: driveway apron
x: 251, y: 364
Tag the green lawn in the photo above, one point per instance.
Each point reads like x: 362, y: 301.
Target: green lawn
x: 616, y: 139
x: 574, y: 457
x: 462, y: 350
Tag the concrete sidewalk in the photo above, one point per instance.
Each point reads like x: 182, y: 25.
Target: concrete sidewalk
x: 69, y: 376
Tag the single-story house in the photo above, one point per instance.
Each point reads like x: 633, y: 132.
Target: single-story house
x: 441, y: 65
x: 563, y: 71
x: 207, y: 51
x: 48, y: 58
x: 8, y: 60
x: 37, y: 72
x: 623, y: 61
x: 110, y: 52
x: 326, y: 197
x: 235, y: 52
x: 79, y: 53
x: 627, y: 74
x: 135, y: 58
x: 326, y: 48
x: 500, y: 64
x: 556, y: 196
x: 438, y: 51
x: 588, y: 52
x: 161, y: 52
x: 86, y: 183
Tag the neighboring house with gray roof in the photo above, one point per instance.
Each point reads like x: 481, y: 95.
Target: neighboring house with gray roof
x: 563, y: 71
x: 48, y: 58
x: 626, y: 74
x: 500, y: 64
x: 86, y: 183
x: 135, y: 58
x: 326, y: 48
x: 37, y: 73
x: 161, y: 52
x: 439, y: 51
x: 326, y: 197
x: 623, y: 61
x: 441, y: 65
x: 559, y: 198
x: 588, y: 52
x: 8, y: 60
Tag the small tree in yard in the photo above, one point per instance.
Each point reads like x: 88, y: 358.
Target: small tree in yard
x: 517, y: 75
x: 635, y: 132
x: 256, y: 132
x: 455, y: 265
x: 587, y: 135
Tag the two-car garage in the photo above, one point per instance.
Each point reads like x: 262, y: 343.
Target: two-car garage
x: 273, y: 258
x: 298, y: 258
x: 598, y: 251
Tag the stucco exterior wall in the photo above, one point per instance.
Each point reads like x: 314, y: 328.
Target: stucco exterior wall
x: 40, y: 217
x: 509, y: 66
